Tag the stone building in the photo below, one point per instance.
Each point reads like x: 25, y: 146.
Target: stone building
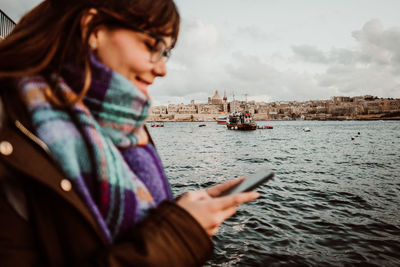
x: 158, y: 110
x: 216, y: 99
x: 337, y: 108
x: 215, y: 105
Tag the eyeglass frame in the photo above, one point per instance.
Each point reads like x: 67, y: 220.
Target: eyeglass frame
x: 163, y: 54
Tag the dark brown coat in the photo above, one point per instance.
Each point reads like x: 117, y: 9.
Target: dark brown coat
x: 43, y: 222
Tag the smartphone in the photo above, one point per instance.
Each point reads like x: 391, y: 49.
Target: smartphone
x: 250, y: 183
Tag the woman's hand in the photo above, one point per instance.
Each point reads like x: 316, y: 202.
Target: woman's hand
x: 209, y: 209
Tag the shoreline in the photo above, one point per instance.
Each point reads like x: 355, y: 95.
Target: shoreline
x: 354, y: 119
x: 213, y: 118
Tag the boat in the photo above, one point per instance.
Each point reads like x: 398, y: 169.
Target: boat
x: 307, y: 129
x: 222, y: 119
x: 202, y: 125
x: 241, y: 121
x: 265, y: 127
x: 161, y: 124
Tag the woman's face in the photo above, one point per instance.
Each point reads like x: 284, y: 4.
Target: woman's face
x: 128, y: 52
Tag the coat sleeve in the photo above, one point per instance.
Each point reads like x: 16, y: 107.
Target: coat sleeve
x: 169, y: 236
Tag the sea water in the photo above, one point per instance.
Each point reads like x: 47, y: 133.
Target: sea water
x: 334, y: 201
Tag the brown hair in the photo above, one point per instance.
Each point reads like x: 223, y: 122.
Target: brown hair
x: 51, y: 32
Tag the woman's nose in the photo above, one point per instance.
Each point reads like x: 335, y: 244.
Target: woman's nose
x: 160, y: 68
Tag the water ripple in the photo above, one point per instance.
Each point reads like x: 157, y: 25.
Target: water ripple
x: 334, y: 201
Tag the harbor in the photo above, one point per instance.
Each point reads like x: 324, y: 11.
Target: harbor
x: 333, y: 202
x: 340, y: 108
x: 306, y: 91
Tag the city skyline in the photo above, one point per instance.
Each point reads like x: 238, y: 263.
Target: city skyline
x: 242, y: 98
x: 365, y: 107
x: 278, y: 50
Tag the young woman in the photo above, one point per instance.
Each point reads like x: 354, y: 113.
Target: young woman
x: 80, y: 180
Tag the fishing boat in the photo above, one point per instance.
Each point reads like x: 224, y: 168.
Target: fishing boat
x: 242, y: 121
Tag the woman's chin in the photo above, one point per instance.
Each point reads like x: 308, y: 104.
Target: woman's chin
x: 142, y: 88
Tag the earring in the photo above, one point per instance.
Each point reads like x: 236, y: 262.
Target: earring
x: 93, y: 45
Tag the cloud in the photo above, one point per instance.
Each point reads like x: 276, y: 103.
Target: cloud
x: 379, y: 46
x: 373, y: 66
x: 252, y: 58
x: 348, y: 80
x: 309, y: 53
x: 344, y: 56
x: 194, y: 71
x: 205, y: 62
x: 250, y: 74
x: 375, y: 46
x: 254, y: 33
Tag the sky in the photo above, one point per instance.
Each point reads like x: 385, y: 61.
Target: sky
x: 277, y: 50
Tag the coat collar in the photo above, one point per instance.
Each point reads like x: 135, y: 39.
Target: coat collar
x: 22, y: 151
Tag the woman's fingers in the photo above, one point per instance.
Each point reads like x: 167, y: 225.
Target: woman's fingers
x: 216, y: 190
x: 235, y: 200
x: 225, y: 214
x: 211, y: 212
x: 219, y: 218
x: 196, y: 195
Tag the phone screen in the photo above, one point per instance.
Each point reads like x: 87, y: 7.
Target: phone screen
x: 251, y: 182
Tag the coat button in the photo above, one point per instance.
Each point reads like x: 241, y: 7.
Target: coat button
x: 6, y: 148
x: 66, y: 185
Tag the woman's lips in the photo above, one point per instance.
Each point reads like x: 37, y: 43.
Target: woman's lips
x: 142, y: 84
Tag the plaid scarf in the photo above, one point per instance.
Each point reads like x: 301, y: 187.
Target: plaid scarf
x: 128, y: 178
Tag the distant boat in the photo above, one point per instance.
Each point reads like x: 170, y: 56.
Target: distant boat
x: 241, y: 121
x: 202, y: 125
x: 157, y: 124
x: 222, y: 119
x: 265, y: 127
x: 307, y: 129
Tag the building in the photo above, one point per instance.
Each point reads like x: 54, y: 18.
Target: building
x: 337, y: 108
x: 6, y: 25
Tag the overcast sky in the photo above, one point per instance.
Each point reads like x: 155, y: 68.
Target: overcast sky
x: 278, y: 50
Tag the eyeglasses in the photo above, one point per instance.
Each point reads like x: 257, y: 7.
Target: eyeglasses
x: 158, y: 51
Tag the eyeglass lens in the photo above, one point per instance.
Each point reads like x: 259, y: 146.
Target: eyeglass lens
x: 159, y: 52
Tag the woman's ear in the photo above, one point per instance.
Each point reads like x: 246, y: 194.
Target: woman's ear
x: 85, y: 21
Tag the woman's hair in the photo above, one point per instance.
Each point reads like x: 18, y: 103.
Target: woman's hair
x: 50, y: 34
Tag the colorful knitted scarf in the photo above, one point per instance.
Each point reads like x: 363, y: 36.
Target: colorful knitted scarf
x: 128, y: 178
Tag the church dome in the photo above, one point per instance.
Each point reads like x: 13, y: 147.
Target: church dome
x: 216, y: 99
